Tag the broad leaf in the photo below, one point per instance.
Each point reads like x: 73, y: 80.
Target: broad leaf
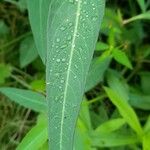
x: 71, y: 40
x: 26, y: 98
x: 125, y: 110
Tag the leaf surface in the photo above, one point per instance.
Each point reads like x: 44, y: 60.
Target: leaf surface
x: 26, y: 98
x: 71, y: 40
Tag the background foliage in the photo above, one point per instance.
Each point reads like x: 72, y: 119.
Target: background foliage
x: 116, y: 106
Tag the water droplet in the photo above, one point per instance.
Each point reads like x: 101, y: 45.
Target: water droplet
x: 61, y: 81
x: 63, y: 46
x: 62, y: 28
x: 75, y: 77
x: 70, y: 24
x: 69, y: 38
x: 63, y: 59
x: 57, y: 40
x: 94, y: 18
x: 58, y: 60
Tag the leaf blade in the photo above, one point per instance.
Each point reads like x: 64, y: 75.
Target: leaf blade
x: 26, y: 98
x: 68, y: 60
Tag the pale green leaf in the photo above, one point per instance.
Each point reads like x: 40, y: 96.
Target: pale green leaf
x: 71, y: 40
x: 125, y: 110
x: 122, y: 58
x: 28, y: 51
x: 109, y: 126
x: 26, y: 98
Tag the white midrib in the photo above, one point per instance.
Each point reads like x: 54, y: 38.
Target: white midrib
x: 69, y: 68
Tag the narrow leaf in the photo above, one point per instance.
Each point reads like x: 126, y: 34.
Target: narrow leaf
x: 142, y: 16
x: 36, y: 137
x: 125, y: 110
x: 110, y: 126
x: 71, y: 40
x: 26, y: 98
x: 38, y: 13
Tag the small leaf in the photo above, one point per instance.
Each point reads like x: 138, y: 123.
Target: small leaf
x: 109, y: 126
x: 36, y: 137
x: 26, y: 98
x: 122, y: 58
x: 142, y: 16
x: 142, y: 5
x: 28, y: 51
x: 100, y: 46
x: 125, y: 110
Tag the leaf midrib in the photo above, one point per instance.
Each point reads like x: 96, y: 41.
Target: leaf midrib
x: 69, y: 68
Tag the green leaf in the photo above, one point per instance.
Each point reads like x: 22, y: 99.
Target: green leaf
x: 36, y: 137
x: 125, y: 110
x: 146, y: 141
x: 117, y: 84
x: 145, y: 82
x: 139, y: 101
x: 3, y: 28
x: 85, y: 114
x: 114, y: 139
x: 122, y: 58
x: 110, y: 126
x: 142, y: 16
x: 28, y: 51
x: 82, y: 139
x: 100, y: 46
x: 71, y: 40
x: 38, y: 15
x: 96, y: 71
x: 142, y: 5
x: 26, y: 98
x: 5, y: 72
